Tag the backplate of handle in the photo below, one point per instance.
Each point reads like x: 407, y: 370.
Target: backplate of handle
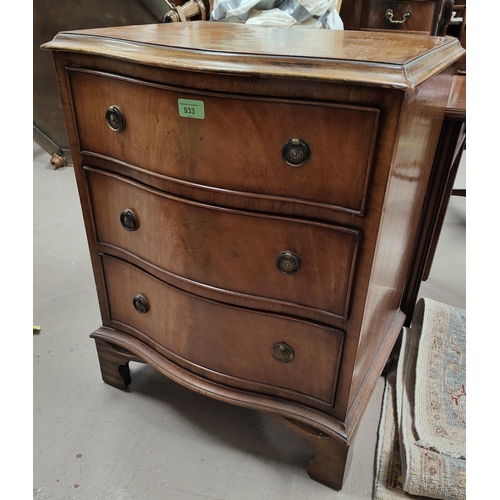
x: 128, y: 220
x: 115, y: 119
x: 141, y: 304
x: 295, y: 152
x: 288, y: 262
x: 282, y: 352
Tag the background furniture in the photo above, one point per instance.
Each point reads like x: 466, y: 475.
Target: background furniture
x: 457, y: 27
x: 251, y: 207
x: 429, y: 16
x: 49, y: 130
x: 450, y: 149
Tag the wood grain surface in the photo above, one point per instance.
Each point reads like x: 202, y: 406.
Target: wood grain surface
x: 250, y: 133
x: 228, y: 340
x: 395, y: 61
x: 227, y: 249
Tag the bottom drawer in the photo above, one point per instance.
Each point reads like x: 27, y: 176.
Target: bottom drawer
x: 247, y: 349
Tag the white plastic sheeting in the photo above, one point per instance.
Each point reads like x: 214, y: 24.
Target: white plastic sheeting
x: 303, y: 13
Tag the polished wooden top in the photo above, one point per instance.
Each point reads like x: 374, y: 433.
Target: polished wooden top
x: 398, y: 60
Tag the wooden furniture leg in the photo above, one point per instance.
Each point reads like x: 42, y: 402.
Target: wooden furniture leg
x: 459, y: 131
x: 332, y: 457
x: 114, y: 362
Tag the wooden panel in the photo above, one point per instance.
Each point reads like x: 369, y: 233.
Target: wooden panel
x: 444, y: 170
x: 227, y: 249
x: 225, y: 339
x: 420, y: 19
x: 394, y: 60
x: 419, y: 129
x: 237, y: 146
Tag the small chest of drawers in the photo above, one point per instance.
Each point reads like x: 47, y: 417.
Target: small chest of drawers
x: 251, y: 199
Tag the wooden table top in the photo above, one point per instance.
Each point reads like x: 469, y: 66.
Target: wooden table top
x: 395, y: 60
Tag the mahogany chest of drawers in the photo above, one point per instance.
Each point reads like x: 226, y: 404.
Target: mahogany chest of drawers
x: 251, y: 199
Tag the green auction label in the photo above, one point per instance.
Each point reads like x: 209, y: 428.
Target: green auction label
x: 191, y: 109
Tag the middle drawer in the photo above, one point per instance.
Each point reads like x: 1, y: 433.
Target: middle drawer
x: 296, y: 262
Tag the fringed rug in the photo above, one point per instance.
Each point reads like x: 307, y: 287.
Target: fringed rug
x: 421, y: 446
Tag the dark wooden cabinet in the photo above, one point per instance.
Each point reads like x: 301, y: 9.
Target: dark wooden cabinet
x: 251, y: 198
x: 428, y: 16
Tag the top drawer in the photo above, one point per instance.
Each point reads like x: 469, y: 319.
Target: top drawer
x: 238, y: 145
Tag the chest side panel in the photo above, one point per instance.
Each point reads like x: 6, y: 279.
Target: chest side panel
x: 420, y: 123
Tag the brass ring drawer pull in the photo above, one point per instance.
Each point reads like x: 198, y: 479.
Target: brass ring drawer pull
x: 288, y: 262
x: 282, y: 352
x: 295, y: 152
x: 389, y: 14
x: 115, y: 119
x: 129, y: 220
x: 141, y: 304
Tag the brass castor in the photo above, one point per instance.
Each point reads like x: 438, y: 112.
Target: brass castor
x: 58, y: 161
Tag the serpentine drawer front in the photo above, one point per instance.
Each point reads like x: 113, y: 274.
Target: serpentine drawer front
x: 231, y: 250
x: 254, y: 135
x: 237, y: 343
x: 251, y: 197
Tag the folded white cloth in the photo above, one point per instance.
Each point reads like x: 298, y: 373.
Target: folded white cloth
x: 320, y: 14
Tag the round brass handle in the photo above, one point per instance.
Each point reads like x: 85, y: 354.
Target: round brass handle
x: 115, y: 119
x: 141, y: 304
x: 288, y: 262
x: 389, y: 14
x: 282, y: 352
x: 295, y: 152
x: 129, y: 220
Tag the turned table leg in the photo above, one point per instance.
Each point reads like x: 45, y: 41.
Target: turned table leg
x: 332, y: 457
x: 114, y: 362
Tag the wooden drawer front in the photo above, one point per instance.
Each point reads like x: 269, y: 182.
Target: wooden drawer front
x: 237, y: 146
x: 231, y: 250
x: 420, y: 18
x: 225, y: 339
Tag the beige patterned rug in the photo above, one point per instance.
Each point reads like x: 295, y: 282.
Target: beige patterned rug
x: 421, y: 446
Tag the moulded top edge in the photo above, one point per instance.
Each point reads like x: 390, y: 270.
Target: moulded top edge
x: 396, y: 60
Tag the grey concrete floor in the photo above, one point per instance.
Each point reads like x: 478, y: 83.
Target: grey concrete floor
x: 159, y: 440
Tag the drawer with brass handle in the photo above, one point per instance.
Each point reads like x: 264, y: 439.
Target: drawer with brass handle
x: 280, y: 354
x: 293, y: 261
x: 307, y: 152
